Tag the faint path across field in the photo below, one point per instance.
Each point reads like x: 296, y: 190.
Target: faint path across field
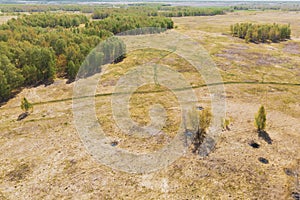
x: 179, y: 89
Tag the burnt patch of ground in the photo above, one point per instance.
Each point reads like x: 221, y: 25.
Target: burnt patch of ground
x: 266, y: 59
x: 19, y: 173
x: 292, y: 48
x: 243, y: 55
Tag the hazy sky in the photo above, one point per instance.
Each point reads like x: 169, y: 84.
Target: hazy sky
x: 136, y: 0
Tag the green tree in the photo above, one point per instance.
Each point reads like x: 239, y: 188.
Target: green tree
x: 248, y: 36
x: 260, y: 119
x: 60, y: 46
x: 72, y: 70
x: 30, y: 74
x: 13, y: 75
x: 75, y: 21
x: 4, y: 87
x: 47, y: 64
x: 26, y: 105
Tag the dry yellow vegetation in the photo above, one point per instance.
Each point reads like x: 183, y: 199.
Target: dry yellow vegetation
x: 42, y: 157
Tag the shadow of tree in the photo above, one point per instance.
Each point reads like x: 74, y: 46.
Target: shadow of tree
x: 265, y: 136
x: 22, y: 116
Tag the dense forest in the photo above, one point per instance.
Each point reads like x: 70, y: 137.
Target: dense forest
x: 261, y: 32
x: 39, y: 47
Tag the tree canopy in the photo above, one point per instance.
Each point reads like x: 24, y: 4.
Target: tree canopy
x: 36, y: 48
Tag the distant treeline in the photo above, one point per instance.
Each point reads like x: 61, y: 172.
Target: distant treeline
x: 45, y: 20
x: 166, y: 11
x: 261, y: 32
x: 34, y: 49
x: 285, y: 6
x: 15, y: 8
x: 192, y: 11
x: 103, y: 11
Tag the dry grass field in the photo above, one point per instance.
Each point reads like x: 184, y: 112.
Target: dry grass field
x: 42, y: 157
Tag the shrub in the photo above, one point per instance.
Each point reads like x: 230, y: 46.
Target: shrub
x: 205, y: 118
x: 25, y: 105
x: 225, y: 124
x: 260, y: 119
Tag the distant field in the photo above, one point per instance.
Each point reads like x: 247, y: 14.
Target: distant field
x: 220, y: 24
x: 242, y: 62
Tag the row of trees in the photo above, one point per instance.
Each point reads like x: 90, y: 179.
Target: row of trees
x: 286, y: 6
x: 192, y: 11
x: 53, y: 20
x: 33, y: 51
x: 102, y: 13
x: 120, y: 23
x: 261, y: 32
x: 17, y: 8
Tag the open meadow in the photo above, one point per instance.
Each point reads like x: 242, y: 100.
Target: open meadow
x: 43, y: 157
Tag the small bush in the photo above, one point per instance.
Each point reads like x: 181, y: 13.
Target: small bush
x: 260, y: 119
x: 225, y: 124
x: 25, y: 105
x: 205, y: 118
